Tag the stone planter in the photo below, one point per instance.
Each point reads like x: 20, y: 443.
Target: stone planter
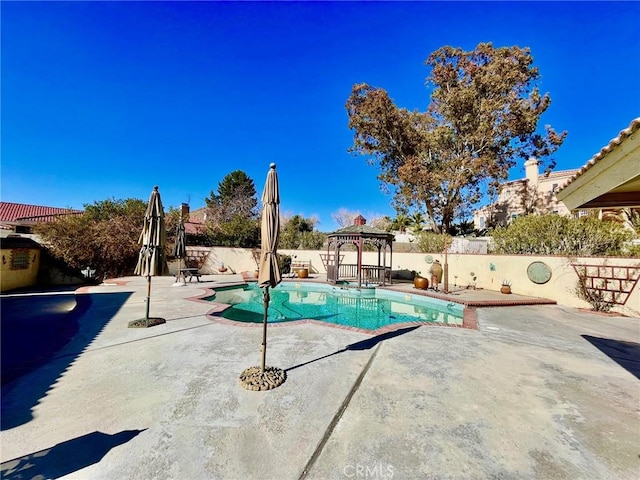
x: 420, y: 282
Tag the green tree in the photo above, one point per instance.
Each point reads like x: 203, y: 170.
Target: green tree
x: 292, y: 230
x: 232, y: 213
x: 299, y: 232
x: 312, y: 240
x: 417, y: 222
x: 482, y: 118
x: 105, y: 237
x: 238, y: 232
x: 401, y: 222
x: 236, y: 196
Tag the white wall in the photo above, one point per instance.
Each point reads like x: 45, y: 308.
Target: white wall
x: 488, y: 270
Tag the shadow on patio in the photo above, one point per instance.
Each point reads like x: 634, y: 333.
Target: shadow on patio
x: 65, y: 457
x: 365, y: 344
x: 51, y: 330
x: 625, y: 354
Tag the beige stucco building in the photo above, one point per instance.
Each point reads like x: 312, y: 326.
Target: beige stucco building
x: 536, y: 193
x: 20, y: 263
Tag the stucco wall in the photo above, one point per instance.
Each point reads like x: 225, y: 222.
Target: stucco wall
x: 235, y: 259
x: 11, y: 279
x: 488, y: 270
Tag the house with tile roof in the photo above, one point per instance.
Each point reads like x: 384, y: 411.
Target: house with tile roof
x: 20, y: 250
x: 536, y: 193
x: 194, y: 222
x: 21, y: 217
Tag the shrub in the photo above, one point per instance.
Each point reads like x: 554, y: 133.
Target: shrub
x: 559, y: 235
x: 284, y: 262
x: 429, y: 242
x: 599, y: 300
x: 633, y: 250
x: 104, y: 237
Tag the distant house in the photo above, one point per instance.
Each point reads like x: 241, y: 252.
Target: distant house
x: 536, y: 193
x: 194, y: 222
x: 20, y: 217
x: 21, y: 255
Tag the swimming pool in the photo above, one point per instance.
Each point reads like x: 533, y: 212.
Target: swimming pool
x: 367, y: 309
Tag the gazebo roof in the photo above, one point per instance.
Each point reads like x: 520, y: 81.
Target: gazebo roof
x: 362, y: 230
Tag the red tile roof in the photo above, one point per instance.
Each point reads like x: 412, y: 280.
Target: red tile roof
x: 196, y: 223
x: 198, y: 216
x: 613, y: 143
x: 194, y: 228
x: 20, y: 212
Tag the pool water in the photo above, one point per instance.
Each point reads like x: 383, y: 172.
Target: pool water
x: 368, y: 309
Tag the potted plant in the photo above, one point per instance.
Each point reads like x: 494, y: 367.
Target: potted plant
x: 506, y: 286
x: 420, y: 282
x: 222, y: 268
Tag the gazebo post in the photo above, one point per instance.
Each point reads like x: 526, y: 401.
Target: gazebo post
x: 384, y: 265
x: 336, y: 262
x: 360, y: 261
x: 390, y: 263
x: 328, y: 262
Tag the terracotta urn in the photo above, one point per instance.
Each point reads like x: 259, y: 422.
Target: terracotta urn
x: 420, y: 282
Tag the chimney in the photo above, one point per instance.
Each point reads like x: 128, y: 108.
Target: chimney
x: 359, y: 220
x: 531, y: 169
x: 184, y: 211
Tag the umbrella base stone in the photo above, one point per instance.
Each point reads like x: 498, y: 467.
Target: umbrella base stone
x: 146, y: 322
x: 253, y: 379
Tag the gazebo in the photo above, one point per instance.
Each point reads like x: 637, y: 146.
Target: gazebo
x: 359, y: 234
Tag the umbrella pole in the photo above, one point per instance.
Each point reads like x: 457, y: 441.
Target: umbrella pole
x: 264, y: 329
x: 148, y: 297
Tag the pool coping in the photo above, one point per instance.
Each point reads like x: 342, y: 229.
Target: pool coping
x: 469, y: 315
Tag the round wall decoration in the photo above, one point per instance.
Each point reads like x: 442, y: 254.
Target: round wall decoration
x: 539, y: 272
x: 428, y: 259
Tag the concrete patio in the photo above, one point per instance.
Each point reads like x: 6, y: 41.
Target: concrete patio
x: 537, y: 391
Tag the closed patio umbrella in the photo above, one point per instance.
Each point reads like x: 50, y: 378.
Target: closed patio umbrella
x: 266, y: 378
x: 152, y: 260
x: 180, y: 249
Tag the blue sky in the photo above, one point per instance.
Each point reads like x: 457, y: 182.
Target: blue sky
x: 108, y: 99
